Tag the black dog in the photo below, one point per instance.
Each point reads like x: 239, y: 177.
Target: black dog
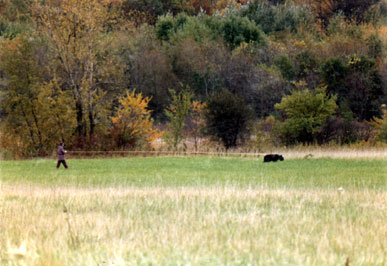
x: 272, y: 158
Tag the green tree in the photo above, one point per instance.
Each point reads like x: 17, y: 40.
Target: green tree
x: 358, y: 84
x: 177, y: 113
x: 305, y: 113
x: 236, y: 30
x: 366, y: 90
x: 227, y: 118
x: 334, y: 71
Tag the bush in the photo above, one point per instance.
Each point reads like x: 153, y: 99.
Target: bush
x: 227, y: 118
x: 132, y: 125
x: 305, y: 113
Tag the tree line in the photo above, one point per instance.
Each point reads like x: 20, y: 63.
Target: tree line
x: 112, y: 75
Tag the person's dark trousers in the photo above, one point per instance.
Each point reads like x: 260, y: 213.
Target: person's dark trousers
x: 61, y: 161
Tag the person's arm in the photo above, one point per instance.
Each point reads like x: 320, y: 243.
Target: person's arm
x: 62, y: 151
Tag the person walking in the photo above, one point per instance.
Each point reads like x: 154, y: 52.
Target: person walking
x: 61, y: 156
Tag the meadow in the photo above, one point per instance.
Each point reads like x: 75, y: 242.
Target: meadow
x: 194, y: 211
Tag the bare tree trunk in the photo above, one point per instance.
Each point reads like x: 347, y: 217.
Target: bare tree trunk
x: 81, y: 128
x: 92, y: 125
x: 41, y: 146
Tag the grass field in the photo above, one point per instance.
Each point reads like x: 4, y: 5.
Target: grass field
x: 194, y: 211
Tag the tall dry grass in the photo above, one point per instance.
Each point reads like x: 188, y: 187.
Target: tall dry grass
x: 191, y: 225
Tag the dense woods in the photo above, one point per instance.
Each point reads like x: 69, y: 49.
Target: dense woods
x: 120, y: 74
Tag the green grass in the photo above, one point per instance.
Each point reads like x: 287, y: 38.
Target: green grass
x: 197, y: 211
x: 201, y: 171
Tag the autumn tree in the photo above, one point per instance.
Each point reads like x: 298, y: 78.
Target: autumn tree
x: 78, y: 32
x: 132, y: 124
x: 37, y: 114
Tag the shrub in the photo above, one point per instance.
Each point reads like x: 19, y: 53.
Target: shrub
x: 227, y: 118
x: 132, y: 125
x: 305, y: 114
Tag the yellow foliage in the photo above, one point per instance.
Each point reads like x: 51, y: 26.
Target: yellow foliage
x: 300, y: 44
x: 79, y: 32
x: 133, y: 122
x: 37, y: 114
